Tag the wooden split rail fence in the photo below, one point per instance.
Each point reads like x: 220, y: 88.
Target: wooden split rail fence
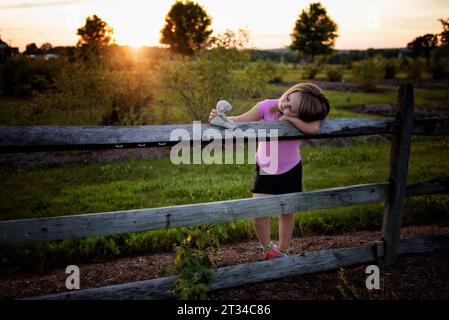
x: 392, y: 193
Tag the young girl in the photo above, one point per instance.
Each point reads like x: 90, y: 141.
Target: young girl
x: 304, y: 105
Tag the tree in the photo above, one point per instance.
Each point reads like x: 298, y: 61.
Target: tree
x: 186, y: 27
x: 444, y: 35
x: 439, y: 60
x: 314, y: 32
x: 95, y: 32
x: 32, y: 49
x: 46, y: 47
x: 5, y: 54
x: 230, y: 39
x: 422, y: 46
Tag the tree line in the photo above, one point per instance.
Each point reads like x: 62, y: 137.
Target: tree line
x: 187, y: 30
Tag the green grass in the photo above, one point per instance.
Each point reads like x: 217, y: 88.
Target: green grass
x: 131, y: 184
x: 428, y: 98
x: 137, y: 183
x: 294, y: 73
x: 14, y: 111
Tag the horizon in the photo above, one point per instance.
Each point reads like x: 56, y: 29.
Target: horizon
x: 249, y: 48
x: 367, y: 25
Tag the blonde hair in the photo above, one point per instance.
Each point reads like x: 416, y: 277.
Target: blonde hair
x: 313, y: 104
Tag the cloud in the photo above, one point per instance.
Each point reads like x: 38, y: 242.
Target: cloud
x: 26, y: 5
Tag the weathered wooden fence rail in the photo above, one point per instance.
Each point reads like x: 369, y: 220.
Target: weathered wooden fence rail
x: 232, y: 276
x: 393, y: 193
x: 107, y: 223
x: 51, y: 138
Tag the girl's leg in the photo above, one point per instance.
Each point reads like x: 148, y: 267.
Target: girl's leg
x: 286, y: 224
x: 262, y: 225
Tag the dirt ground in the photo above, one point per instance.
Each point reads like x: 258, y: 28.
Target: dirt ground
x: 420, y: 276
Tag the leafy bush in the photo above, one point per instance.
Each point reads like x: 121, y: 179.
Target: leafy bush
x: 439, y: 64
x: 24, y: 76
x: 334, y: 73
x: 367, y: 73
x: 310, y: 71
x: 197, y: 83
x: 415, y: 68
x: 440, y: 69
x: 391, y: 68
x: 192, y: 261
x: 131, y: 99
x: 255, y: 78
x: 98, y: 96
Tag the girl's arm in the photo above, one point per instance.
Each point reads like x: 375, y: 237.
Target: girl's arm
x: 306, y: 127
x: 251, y: 115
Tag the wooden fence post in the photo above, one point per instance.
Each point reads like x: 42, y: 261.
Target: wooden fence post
x: 399, y: 158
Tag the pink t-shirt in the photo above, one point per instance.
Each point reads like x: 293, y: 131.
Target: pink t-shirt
x: 287, y: 155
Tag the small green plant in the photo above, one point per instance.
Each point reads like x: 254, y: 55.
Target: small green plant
x: 347, y: 291
x: 367, y: 73
x: 391, y: 68
x: 350, y: 292
x: 416, y: 68
x: 255, y: 78
x: 192, y: 263
x: 311, y: 70
x: 24, y: 77
x: 334, y: 73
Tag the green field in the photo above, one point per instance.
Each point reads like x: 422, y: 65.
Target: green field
x: 148, y: 183
x: 75, y: 189
x: 15, y: 111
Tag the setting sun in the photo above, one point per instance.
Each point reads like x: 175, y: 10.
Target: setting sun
x: 126, y: 34
x: 136, y: 25
x: 362, y: 24
x: 154, y: 149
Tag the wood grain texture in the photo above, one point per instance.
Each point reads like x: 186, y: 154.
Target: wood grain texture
x: 399, y: 159
x: 48, y: 138
x: 75, y: 226
x: 51, y: 138
x: 169, y: 217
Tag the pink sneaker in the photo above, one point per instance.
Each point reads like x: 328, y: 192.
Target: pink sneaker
x: 270, y: 252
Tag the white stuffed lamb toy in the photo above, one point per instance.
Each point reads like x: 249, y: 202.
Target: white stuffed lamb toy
x: 221, y: 119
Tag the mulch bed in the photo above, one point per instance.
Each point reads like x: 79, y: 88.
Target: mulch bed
x: 419, y: 276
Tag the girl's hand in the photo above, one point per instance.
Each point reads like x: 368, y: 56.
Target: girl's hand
x: 283, y: 117
x: 212, y: 114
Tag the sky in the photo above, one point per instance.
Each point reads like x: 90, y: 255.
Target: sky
x: 362, y: 23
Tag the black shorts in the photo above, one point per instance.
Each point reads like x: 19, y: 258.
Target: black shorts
x: 287, y: 182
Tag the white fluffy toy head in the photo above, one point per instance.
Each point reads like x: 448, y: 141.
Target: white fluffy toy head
x: 220, y: 118
x: 223, y: 106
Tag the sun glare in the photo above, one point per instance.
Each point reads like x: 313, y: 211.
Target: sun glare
x: 362, y: 23
x: 132, y: 34
x: 137, y: 25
